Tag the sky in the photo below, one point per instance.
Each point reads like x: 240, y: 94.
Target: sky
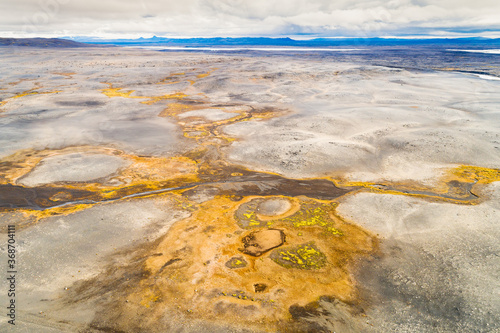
x: 234, y: 18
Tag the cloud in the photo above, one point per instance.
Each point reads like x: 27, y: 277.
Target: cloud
x: 245, y: 18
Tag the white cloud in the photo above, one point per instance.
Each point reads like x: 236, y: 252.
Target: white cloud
x: 243, y: 17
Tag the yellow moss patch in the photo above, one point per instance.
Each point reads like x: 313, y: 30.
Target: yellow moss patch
x: 149, y: 298
x: 143, y: 174
x: 307, y: 214
x: 61, y: 196
x: 468, y: 173
x: 119, y: 92
x: 196, y: 134
x: 28, y: 93
x: 174, y: 109
x: 202, y: 75
x: 25, y: 94
x: 157, y: 169
x: 169, y: 79
x: 455, y: 186
x: 156, y: 99
x: 314, y: 216
x: 173, y: 76
x: 236, y: 262
x: 208, y: 274
x: 64, y: 210
x: 304, y: 256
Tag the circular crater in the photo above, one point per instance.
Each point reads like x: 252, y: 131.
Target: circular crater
x: 274, y: 207
x: 73, y: 167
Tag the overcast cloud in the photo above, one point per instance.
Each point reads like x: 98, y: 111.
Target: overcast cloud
x: 134, y: 18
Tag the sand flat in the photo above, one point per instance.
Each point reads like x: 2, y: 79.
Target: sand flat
x: 73, y: 167
x: 382, y: 182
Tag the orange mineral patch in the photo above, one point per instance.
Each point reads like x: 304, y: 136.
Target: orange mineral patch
x: 120, y: 92
x: 158, y: 169
x: 143, y: 175
x: 201, y: 266
x: 243, y: 256
x: 28, y: 93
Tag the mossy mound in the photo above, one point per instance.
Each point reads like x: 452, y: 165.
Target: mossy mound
x: 236, y: 262
x: 246, y: 215
x: 311, y: 213
x: 304, y: 256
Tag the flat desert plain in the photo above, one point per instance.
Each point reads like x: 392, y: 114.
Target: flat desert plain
x: 203, y: 192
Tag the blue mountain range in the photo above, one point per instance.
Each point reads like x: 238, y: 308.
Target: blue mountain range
x: 267, y: 41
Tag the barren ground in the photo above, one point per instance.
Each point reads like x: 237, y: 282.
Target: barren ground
x: 192, y: 192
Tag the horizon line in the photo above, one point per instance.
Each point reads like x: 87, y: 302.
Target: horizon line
x: 426, y: 37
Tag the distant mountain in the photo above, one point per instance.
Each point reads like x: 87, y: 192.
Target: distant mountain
x: 318, y: 42
x: 41, y: 42
x: 191, y: 41
x: 66, y: 42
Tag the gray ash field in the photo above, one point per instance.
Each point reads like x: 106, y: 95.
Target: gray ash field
x: 353, y: 191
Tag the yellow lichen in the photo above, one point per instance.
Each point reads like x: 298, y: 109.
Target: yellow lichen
x: 202, y: 75
x: 156, y: 99
x: 28, y: 93
x: 454, y: 186
x: 174, y: 109
x: 157, y: 169
x: 149, y: 298
x: 63, y: 210
x: 312, y: 213
x: 206, y: 243
x: 168, y: 79
x: 469, y: 173
x: 196, y: 134
x: 119, y: 92
x: 206, y: 266
x: 142, y: 175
